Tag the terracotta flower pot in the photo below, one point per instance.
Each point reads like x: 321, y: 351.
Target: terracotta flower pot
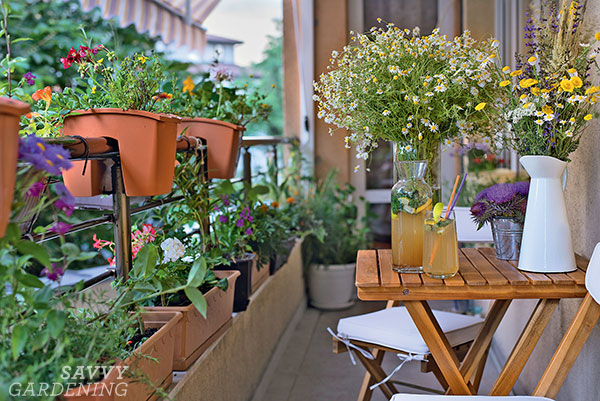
x: 243, y: 285
x: 194, y: 333
x: 223, y: 141
x: 10, y: 114
x: 147, y: 145
x: 259, y: 275
x: 158, y: 369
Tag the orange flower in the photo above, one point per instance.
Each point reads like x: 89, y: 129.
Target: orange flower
x: 43, y: 94
x: 31, y: 115
x: 290, y: 200
x: 264, y: 208
x: 275, y: 204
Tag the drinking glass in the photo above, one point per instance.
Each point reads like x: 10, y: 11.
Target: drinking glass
x: 440, y: 246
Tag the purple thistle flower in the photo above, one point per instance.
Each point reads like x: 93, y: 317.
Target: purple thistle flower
x: 29, y: 78
x: 55, y: 273
x: 35, y: 190
x: 249, y: 231
x: 239, y: 223
x: 223, y: 219
x: 478, y: 209
x: 61, y: 228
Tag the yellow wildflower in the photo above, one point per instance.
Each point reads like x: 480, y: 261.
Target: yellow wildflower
x: 188, y: 85
x: 592, y: 89
x: 142, y: 59
x: 566, y: 85
x: 588, y: 117
x: 535, y: 90
x: 506, y: 69
x: 480, y: 106
x: 597, y: 36
x: 532, y: 60
x: 547, y: 109
x: 527, y: 82
x: 577, y: 82
x: 94, y: 89
x: 504, y: 83
x: 516, y: 73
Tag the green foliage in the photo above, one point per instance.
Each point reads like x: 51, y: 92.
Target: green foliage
x: 344, y: 233
x: 215, y: 96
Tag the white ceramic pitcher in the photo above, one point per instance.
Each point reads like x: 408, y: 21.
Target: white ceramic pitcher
x: 546, y: 246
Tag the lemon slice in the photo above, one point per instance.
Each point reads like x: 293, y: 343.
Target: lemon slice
x: 437, y: 211
x: 394, y: 216
x: 423, y: 207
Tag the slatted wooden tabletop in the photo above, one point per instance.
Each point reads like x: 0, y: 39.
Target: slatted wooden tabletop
x: 480, y: 276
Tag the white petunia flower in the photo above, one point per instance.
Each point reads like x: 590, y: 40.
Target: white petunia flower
x: 173, y: 249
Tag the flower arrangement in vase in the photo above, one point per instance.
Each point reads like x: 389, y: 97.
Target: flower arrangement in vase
x: 545, y: 103
x: 503, y: 207
x: 418, y: 92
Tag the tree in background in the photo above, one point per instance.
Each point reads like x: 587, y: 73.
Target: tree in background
x: 54, y: 26
x: 269, y: 79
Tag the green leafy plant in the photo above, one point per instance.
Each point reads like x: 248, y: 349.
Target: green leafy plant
x: 344, y: 233
x: 215, y: 96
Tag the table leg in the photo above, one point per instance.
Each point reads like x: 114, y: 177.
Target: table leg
x: 438, y: 344
x: 478, y: 350
x: 524, y: 346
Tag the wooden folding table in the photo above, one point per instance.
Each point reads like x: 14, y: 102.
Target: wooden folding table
x: 480, y: 276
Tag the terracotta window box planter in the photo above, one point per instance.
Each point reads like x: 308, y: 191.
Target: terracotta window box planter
x: 223, y: 141
x: 194, y: 333
x: 10, y: 114
x: 281, y: 259
x: 243, y: 285
x: 259, y: 276
x: 158, y: 369
x: 147, y: 146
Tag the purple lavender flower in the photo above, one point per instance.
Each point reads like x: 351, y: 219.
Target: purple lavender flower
x: 55, y: 273
x: 239, y: 223
x: 61, y: 228
x: 249, y: 231
x: 223, y: 219
x: 29, y: 78
x: 35, y: 190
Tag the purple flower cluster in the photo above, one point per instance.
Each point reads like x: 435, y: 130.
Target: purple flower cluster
x: 43, y: 156
x: 501, y: 201
x: 29, y: 78
x: 219, y: 74
x: 55, y: 273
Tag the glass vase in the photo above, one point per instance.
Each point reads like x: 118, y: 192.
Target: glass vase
x: 432, y: 176
x: 411, y: 198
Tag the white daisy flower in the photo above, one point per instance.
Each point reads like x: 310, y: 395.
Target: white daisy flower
x: 539, y: 121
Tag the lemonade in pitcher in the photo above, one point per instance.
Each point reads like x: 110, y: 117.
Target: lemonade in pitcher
x: 411, y: 198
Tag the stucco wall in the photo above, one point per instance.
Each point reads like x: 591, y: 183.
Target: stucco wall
x: 583, y: 204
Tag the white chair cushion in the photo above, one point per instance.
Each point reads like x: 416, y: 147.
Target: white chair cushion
x: 394, y: 328
x: 427, y: 397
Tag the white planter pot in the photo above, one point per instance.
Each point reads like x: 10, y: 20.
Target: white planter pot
x: 331, y: 287
x: 546, y: 245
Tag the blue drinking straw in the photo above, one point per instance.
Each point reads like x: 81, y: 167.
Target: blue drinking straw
x: 458, y: 193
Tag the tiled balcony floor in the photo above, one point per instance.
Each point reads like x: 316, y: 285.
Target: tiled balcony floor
x: 307, y: 370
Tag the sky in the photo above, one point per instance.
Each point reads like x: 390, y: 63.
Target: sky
x: 250, y: 21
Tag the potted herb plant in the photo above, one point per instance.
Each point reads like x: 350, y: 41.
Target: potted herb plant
x: 117, y: 100
x: 544, y: 105
x: 332, y: 260
x: 503, y: 207
x: 217, y: 110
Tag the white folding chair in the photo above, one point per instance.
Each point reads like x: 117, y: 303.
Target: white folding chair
x: 565, y: 355
x: 370, y: 335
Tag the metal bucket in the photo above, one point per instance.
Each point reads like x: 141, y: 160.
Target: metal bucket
x: 507, y: 238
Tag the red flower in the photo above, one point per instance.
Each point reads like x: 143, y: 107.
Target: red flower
x: 477, y: 160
